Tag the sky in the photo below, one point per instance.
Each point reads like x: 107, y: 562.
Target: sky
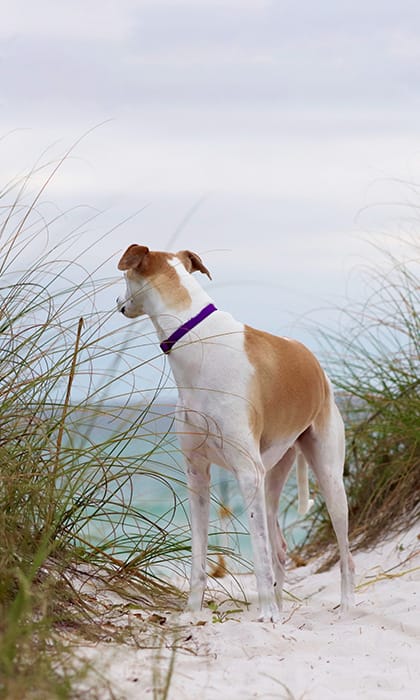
x: 279, y: 140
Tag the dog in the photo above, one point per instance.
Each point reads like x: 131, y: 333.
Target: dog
x: 250, y: 402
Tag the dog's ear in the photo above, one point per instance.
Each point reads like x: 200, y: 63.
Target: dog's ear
x: 133, y: 257
x: 192, y: 262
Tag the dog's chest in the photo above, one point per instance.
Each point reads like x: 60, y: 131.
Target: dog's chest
x: 211, y: 365
x: 213, y: 378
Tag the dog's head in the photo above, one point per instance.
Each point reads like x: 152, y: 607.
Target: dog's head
x: 157, y: 280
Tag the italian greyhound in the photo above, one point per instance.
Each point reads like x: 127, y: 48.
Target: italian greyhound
x: 250, y: 402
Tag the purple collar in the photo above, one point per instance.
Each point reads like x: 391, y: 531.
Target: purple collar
x: 167, y: 345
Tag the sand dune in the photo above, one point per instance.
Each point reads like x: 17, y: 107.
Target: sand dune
x: 312, y: 654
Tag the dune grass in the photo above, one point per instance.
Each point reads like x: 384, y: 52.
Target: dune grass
x: 78, y: 450
x: 65, y: 496
x: 376, y: 372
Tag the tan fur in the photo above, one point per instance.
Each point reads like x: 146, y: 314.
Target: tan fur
x: 133, y: 257
x: 192, y: 262
x: 154, y: 267
x: 289, y: 390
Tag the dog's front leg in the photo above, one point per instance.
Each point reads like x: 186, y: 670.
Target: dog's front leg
x: 198, y: 476
x: 251, y: 483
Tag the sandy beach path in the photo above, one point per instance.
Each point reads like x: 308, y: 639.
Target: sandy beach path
x: 312, y: 654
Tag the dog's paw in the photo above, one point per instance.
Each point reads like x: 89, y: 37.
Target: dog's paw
x: 269, y: 613
x: 347, y: 604
x: 194, y: 617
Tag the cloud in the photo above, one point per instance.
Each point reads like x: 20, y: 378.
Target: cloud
x: 104, y: 56
x: 282, y: 113
x: 47, y: 20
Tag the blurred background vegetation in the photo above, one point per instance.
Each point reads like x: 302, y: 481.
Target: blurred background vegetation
x: 374, y: 364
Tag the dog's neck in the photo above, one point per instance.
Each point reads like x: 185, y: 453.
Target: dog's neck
x: 167, y: 319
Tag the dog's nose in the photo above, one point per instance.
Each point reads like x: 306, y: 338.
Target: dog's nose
x: 119, y: 307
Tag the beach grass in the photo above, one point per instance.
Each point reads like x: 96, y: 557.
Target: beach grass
x: 65, y: 497
x: 77, y: 448
x: 374, y: 363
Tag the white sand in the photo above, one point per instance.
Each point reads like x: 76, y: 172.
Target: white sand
x: 311, y: 655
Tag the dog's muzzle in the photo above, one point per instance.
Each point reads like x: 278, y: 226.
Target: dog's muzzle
x: 120, y: 306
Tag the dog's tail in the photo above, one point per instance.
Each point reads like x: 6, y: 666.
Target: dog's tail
x: 304, y: 502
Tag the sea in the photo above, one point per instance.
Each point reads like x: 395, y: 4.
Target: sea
x: 140, y: 503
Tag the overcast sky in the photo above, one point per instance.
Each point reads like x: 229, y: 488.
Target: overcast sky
x: 281, y: 131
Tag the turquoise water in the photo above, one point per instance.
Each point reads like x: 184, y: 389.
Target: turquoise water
x: 144, y: 496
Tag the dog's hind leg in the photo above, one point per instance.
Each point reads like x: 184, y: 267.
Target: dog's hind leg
x: 198, y: 477
x: 275, y: 480
x: 323, y: 448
